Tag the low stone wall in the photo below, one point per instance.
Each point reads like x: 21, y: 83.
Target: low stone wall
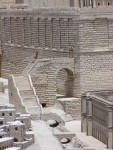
x: 24, y: 144
x: 72, y: 107
x: 6, y: 142
x: 14, y: 97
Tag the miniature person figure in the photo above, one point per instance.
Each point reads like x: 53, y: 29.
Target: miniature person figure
x: 71, y: 52
x: 36, y: 56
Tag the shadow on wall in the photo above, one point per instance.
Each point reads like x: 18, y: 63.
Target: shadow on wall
x: 65, y: 82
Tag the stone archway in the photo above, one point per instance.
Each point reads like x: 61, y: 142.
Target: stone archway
x: 51, y: 90
x: 65, y: 82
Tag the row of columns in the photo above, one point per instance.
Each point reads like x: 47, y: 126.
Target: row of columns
x: 90, y: 3
x: 87, y: 119
x: 86, y: 3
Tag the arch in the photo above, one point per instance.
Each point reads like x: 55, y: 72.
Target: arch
x: 68, y: 70
x: 64, y: 81
x: 43, y: 105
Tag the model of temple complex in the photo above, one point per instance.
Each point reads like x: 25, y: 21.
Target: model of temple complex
x: 52, y: 56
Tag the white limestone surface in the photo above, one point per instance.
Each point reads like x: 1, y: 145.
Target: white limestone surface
x: 75, y: 127
x: 44, y: 139
x: 5, y: 139
x: 12, y: 148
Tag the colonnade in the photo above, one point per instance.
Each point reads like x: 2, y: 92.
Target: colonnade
x: 95, y: 125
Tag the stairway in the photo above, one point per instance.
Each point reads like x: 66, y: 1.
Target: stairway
x: 28, y: 68
x: 29, y: 99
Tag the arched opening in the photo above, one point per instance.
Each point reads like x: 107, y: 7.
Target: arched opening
x: 65, y: 83
x: 15, y: 140
x: 44, y: 105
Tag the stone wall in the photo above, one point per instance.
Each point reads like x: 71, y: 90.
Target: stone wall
x: 71, y: 106
x: 14, y: 96
x: 96, y: 71
x: 61, y: 82
x: 6, y: 143
x: 32, y: 29
x: 55, y: 30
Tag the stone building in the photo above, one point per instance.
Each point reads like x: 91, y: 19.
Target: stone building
x: 97, y: 116
x: 13, y: 128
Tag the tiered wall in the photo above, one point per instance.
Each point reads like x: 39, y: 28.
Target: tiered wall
x: 89, y: 31
x: 96, y: 47
x: 54, y: 31
x: 31, y: 29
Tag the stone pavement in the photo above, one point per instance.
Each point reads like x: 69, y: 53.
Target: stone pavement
x: 44, y: 140
x: 75, y: 126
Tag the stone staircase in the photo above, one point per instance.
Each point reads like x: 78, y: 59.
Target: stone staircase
x: 35, y: 65
x: 28, y: 68
x: 28, y: 97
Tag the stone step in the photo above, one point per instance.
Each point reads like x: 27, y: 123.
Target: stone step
x: 35, y: 117
x: 26, y: 92
x: 29, y: 102
x: 28, y: 97
x: 25, y: 96
x: 33, y: 109
x: 22, y: 82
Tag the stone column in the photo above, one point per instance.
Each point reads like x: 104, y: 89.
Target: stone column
x: 110, y: 128
x: 89, y: 117
x: 83, y: 114
x: 103, y: 3
x: 94, y: 3
x: 81, y: 3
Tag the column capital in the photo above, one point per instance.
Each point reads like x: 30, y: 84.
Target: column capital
x: 109, y: 108
x: 89, y: 117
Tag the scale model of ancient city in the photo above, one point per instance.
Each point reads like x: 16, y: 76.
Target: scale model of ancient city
x: 56, y: 74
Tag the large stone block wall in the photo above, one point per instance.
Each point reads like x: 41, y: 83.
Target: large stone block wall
x: 36, y: 30
x: 61, y: 82
x: 94, y: 34
x: 96, y: 29
x: 19, y: 57
x: 87, y: 30
x: 96, y: 71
